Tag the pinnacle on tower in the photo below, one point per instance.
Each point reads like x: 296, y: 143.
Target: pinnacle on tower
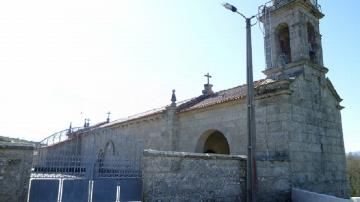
x: 173, y: 98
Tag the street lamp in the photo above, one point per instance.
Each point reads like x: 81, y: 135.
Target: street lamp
x: 251, y: 158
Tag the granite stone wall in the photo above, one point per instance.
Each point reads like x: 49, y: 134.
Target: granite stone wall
x: 181, y: 176
x: 15, y: 166
x: 274, y: 183
x: 229, y: 119
x: 316, y: 146
x: 129, y: 137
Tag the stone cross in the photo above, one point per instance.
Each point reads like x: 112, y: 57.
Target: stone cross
x: 208, y: 78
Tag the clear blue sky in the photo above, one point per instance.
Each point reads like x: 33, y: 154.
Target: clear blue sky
x: 69, y: 60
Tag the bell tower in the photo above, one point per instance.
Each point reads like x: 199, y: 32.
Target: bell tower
x: 292, y: 38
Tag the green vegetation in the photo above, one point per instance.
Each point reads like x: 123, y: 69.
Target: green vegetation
x: 353, y: 169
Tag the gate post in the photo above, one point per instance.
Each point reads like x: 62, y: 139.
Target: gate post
x: 29, y: 189
x: 90, y: 192
x: 61, y: 183
x: 117, y: 194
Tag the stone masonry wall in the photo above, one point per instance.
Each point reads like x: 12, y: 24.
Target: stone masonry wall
x: 15, y: 165
x: 316, y: 146
x: 229, y: 119
x: 147, y: 134
x: 180, y: 176
x: 273, y: 165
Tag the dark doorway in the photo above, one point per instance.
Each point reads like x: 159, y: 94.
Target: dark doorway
x: 213, y: 142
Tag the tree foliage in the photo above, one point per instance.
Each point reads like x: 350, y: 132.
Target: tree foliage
x: 353, y: 169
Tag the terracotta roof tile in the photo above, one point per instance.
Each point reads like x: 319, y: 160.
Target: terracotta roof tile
x: 196, y: 103
x: 219, y: 97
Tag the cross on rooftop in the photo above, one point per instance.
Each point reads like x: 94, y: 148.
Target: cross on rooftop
x: 208, y: 78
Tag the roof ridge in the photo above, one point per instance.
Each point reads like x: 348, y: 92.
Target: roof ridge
x: 221, y: 96
x: 184, y: 104
x: 242, y: 85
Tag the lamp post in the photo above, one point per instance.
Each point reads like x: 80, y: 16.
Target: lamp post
x: 251, y: 159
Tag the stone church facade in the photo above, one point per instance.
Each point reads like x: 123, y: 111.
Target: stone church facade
x: 299, y: 139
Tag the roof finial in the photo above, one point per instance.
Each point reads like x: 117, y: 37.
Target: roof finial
x: 207, y: 87
x: 87, y: 123
x: 70, y: 128
x: 208, y: 78
x: 108, y: 117
x: 173, y: 98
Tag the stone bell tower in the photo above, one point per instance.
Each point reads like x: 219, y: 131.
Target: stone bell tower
x: 292, y: 37
x: 311, y: 137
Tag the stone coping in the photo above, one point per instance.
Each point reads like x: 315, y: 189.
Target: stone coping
x: 355, y: 199
x: 22, y: 146
x: 299, y: 195
x: 150, y: 152
x: 16, y: 143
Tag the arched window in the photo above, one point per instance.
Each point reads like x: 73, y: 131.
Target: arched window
x: 284, y: 49
x: 109, y: 153
x: 109, y: 148
x: 213, y: 141
x: 312, y: 46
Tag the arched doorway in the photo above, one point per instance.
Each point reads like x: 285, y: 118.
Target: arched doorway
x: 213, y: 141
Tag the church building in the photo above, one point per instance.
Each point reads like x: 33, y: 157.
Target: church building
x: 299, y: 134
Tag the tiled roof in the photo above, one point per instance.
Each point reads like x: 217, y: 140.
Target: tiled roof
x: 197, y: 102
x: 219, y: 97
x: 136, y: 116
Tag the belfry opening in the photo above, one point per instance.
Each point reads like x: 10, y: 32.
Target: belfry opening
x: 312, y: 42
x: 284, y: 49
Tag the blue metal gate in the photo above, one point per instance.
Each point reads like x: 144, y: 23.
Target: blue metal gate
x: 80, y: 190
x: 62, y: 176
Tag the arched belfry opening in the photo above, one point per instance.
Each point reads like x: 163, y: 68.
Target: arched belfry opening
x: 283, y: 44
x: 311, y: 34
x: 213, y: 141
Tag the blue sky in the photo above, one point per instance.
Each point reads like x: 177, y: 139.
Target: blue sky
x: 65, y: 61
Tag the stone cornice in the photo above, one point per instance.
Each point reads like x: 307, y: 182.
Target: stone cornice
x: 127, y: 123
x: 299, y: 3
x: 273, y: 89
x: 17, y: 146
x: 297, y: 64
x: 334, y: 92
